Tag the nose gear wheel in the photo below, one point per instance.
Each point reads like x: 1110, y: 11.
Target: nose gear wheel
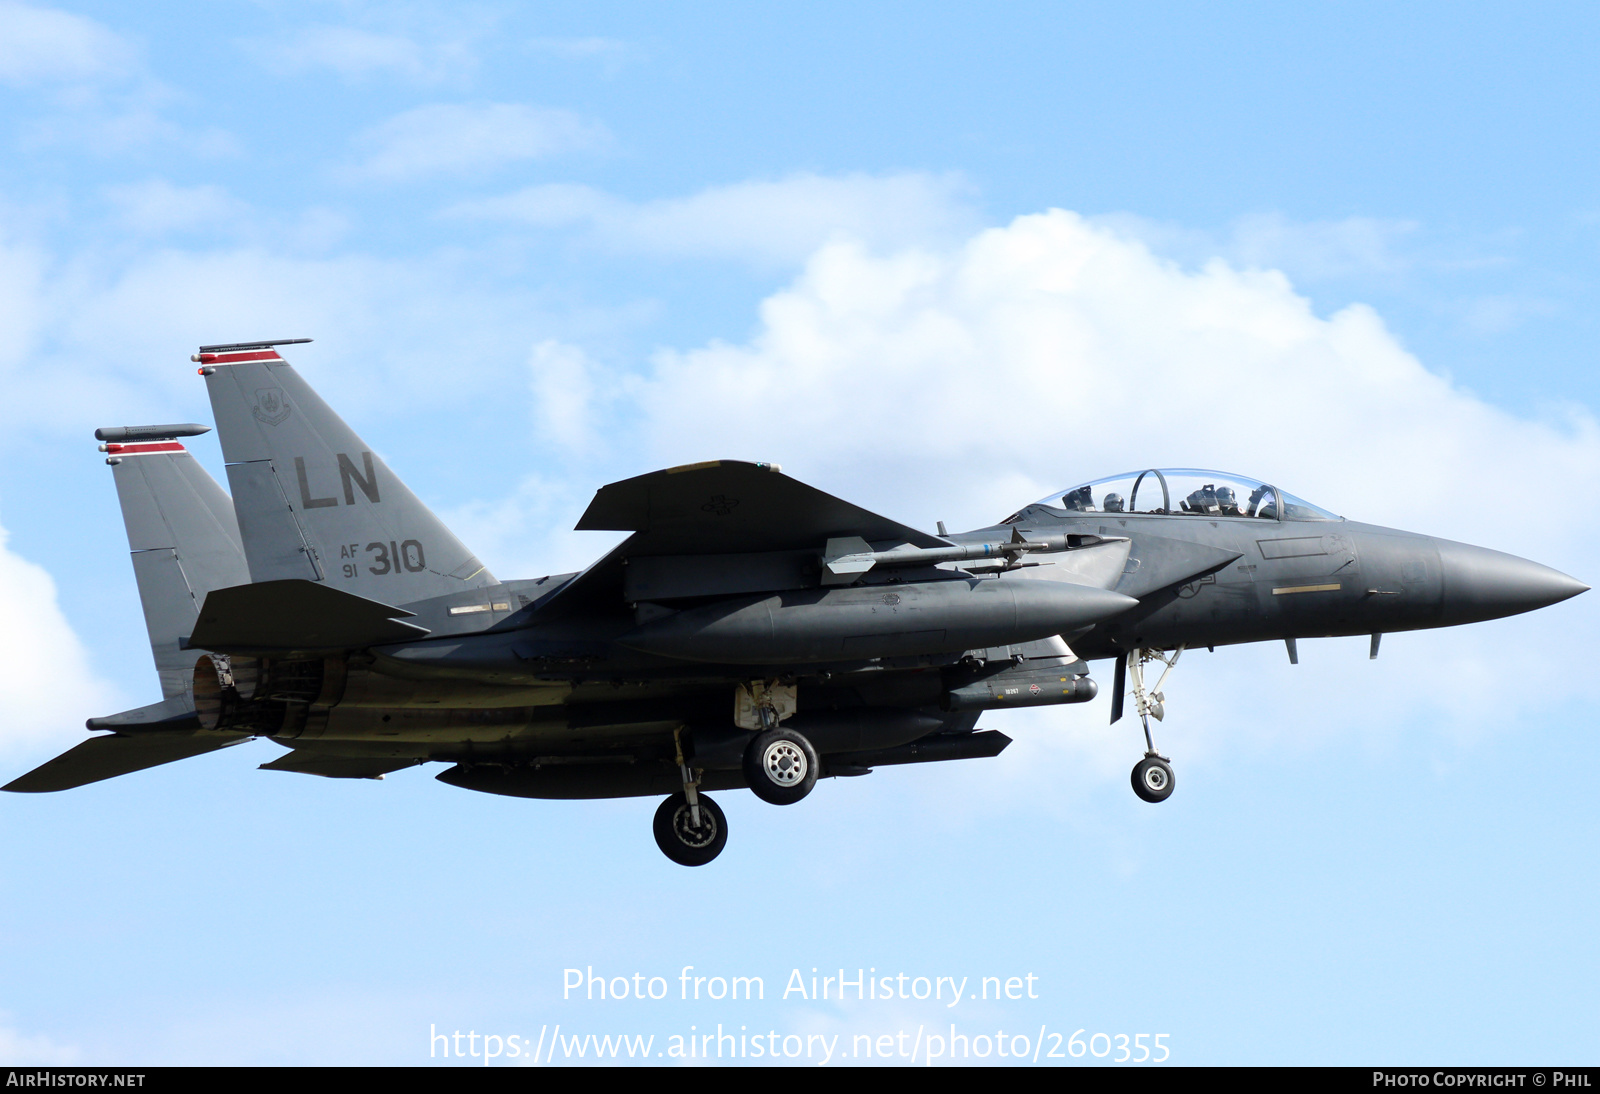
x: 1152, y: 779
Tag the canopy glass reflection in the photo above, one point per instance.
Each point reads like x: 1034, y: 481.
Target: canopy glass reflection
x: 1184, y: 491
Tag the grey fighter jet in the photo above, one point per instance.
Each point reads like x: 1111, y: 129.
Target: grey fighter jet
x: 751, y: 631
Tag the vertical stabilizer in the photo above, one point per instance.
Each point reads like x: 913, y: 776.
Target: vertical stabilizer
x: 183, y: 536
x: 313, y: 500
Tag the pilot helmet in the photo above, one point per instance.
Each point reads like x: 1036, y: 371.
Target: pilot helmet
x: 1112, y: 503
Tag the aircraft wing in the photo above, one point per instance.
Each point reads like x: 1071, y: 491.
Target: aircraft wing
x: 749, y: 521
x: 729, y: 506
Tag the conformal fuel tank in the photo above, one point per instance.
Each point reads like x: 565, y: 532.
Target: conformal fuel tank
x: 848, y: 624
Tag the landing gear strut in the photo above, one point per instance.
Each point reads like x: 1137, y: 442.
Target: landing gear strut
x: 689, y: 827
x: 1152, y: 776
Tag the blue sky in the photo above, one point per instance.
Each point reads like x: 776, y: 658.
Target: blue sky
x: 937, y: 262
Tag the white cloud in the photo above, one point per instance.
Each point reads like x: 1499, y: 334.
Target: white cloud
x: 958, y: 383
x: 461, y: 138
x: 44, y: 669
x: 25, y: 1050
x: 1058, y: 351
x: 1311, y: 250
x: 562, y: 392
x: 62, y: 311
x: 551, y: 205
x: 113, y: 124
x: 610, y: 53
x: 579, y: 47
x: 318, y: 229
x: 48, y: 46
x: 1500, y: 313
x: 528, y: 533
x: 156, y: 206
x: 22, y: 299
x: 101, y: 97
x: 357, y: 54
x: 1330, y: 248
x: 779, y: 221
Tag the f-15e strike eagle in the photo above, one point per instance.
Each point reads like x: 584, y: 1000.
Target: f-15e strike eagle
x: 751, y: 631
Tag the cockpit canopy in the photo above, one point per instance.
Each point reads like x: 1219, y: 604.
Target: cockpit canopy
x: 1183, y: 491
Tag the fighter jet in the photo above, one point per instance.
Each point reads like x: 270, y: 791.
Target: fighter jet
x: 750, y: 632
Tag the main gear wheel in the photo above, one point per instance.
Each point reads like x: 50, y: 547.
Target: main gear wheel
x: 681, y: 839
x: 781, y: 766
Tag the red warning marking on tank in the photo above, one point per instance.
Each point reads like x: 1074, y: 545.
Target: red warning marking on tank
x: 235, y: 358
x: 142, y: 449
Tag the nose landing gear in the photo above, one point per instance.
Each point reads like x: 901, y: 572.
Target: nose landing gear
x: 1152, y: 776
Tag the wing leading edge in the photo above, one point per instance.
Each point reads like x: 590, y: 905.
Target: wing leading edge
x: 718, y: 508
x: 728, y: 506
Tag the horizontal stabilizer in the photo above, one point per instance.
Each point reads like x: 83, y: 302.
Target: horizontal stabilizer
x: 293, y: 614
x: 308, y: 762
x: 107, y: 757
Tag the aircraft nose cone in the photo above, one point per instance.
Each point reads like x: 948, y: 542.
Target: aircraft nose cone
x: 1483, y: 584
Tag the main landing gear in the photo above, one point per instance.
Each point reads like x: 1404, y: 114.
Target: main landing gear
x: 1152, y: 776
x: 690, y: 828
x: 779, y: 765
